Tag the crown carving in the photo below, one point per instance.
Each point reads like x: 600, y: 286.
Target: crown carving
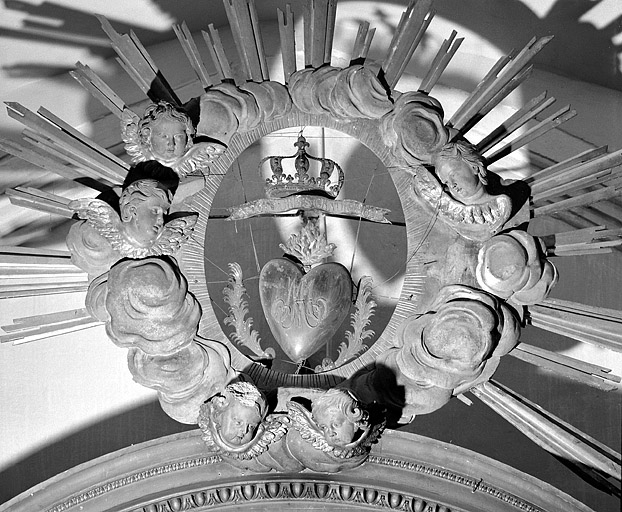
x: 311, y: 175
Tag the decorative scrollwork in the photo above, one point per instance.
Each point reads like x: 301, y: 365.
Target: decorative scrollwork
x: 244, y: 334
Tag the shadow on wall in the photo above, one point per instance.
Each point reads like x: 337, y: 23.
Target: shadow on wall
x: 65, y: 26
x: 480, y: 429
x: 580, y: 50
x: 136, y: 426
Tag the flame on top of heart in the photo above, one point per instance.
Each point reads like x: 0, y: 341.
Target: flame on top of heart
x: 310, y: 247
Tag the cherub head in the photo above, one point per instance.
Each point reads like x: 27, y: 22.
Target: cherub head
x: 339, y: 416
x: 165, y: 133
x: 462, y: 170
x: 143, y: 205
x: 238, y: 411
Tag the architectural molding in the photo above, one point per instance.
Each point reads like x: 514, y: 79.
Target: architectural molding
x: 404, y: 472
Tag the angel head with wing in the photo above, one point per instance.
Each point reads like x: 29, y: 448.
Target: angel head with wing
x: 339, y: 416
x: 336, y: 434
x: 138, y: 232
x: 238, y: 411
x: 165, y: 134
x: 461, y: 169
x: 143, y: 205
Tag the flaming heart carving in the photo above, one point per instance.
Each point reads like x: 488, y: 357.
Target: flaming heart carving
x: 304, y: 310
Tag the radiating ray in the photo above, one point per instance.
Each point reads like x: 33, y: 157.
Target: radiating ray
x: 500, y: 75
x: 192, y: 52
x: 410, y: 30
x: 139, y: 65
x: 444, y: 55
x: 588, y: 324
x: 580, y: 371
x: 548, y: 431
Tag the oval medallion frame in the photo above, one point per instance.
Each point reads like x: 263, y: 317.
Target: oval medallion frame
x: 367, y: 132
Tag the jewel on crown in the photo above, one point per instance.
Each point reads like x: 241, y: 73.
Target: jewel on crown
x: 327, y: 181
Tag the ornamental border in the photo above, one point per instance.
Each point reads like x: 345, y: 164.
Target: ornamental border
x: 297, y: 488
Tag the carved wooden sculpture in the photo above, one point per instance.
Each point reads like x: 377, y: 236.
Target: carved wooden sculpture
x: 103, y: 237
x: 146, y: 308
x: 470, y: 268
x: 335, y: 434
x: 165, y: 134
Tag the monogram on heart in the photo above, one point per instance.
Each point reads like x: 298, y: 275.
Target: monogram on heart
x: 304, y: 310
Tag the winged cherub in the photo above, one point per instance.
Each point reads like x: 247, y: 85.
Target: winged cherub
x: 234, y: 425
x: 238, y: 412
x: 460, y: 194
x: 165, y: 134
x: 139, y: 232
x: 335, y: 434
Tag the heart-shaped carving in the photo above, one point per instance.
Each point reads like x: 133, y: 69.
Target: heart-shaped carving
x: 304, y: 310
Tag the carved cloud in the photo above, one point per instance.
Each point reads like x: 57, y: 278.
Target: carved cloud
x: 451, y: 346
x: 148, y: 306
x: 227, y: 109
x: 414, y: 129
x: 513, y: 267
x: 353, y: 92
x: 90, y: 251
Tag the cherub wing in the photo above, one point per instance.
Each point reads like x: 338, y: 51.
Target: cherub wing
x: 174, y: 234
x: 205, y: 423
x: 199, y: 158
x: 100, y: 216
x: 274, y: 428
x: 303, y: 422
x: 129, y: 133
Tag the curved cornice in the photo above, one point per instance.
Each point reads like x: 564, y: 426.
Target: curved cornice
x: 404, y: 472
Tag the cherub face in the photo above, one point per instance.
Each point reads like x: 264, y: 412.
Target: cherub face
x: 463, y: 183
x: 238, y: 423
x: 147, y: 219
x: 168, y: 140
x: 338, y: 430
